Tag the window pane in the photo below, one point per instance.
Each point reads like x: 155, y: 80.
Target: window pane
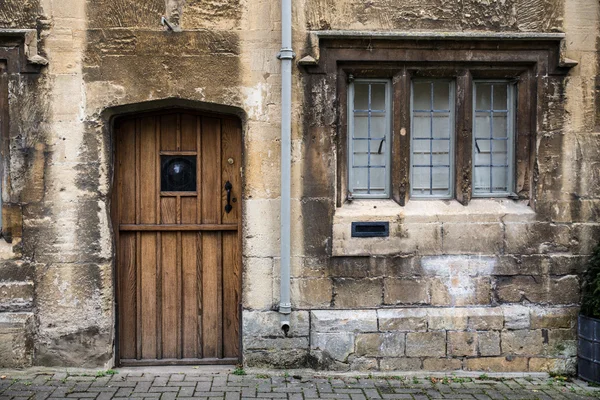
x: 500, y: 93
x: 378, y: 156
x: 499, y: 179
x: 500, y: 125
x: 361, y: 96
x: 377, y: 180
x: 440, y: 179
x: 441, y: 125
x: 421, y: 125
x: 499, y: 153
x: 377, y: 126
x: 441, y: 95
x: 422, y: 96
x: 481, y: 177
x: 361, y: 154
x: 360, y: 181
x: 441, y: 152
x: 482, y: 125
x: 420, y: 181
x: 483, y: 94
x: 378, y: 97
x: 361, y: 125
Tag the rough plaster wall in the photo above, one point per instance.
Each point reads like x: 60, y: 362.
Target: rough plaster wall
x: 503, y: 15
x: 65, y: 232
x: 19, y: 13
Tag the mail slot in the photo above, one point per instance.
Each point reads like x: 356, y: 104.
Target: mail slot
x: 370, y: 229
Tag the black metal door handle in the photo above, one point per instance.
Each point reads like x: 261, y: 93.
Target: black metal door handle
x: 228, y: 187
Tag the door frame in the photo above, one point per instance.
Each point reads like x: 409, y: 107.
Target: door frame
x: 161, y: 107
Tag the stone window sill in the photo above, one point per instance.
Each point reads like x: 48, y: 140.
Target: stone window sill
x: 417, y: 227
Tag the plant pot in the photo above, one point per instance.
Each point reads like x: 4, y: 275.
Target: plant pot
x: 588, y: 350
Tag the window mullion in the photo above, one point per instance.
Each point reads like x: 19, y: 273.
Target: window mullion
x: 401, y: 138
x: 464, y: 137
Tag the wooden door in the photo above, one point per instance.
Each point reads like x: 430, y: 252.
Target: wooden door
x: 178, y: 245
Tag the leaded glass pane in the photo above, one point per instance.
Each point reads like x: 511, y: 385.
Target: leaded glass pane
x: 493, y: 136
x: 369, y: 114
x: 432, y: 138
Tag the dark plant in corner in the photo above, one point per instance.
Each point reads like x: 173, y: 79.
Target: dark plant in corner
x: 589, y: 321
x: 590, y: 301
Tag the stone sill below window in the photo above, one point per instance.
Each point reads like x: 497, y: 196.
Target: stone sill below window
x: 418, y: 227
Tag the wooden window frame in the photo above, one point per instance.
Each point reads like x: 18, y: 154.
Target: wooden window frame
x: 527, y: 61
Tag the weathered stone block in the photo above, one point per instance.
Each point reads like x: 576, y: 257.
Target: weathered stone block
x: 16, y: 340
x: 400, y: 364
x: 523, y: 342
x: 363, y: 364
x: 460, y: 290
x: 496, y: 364
x: 442, y: 364
x: 540, y: 237
x: 338, y: 345
x: 357, y: 293
x: 258, y: 293
x: 267, y: 324
x: 403, y: 319
x: 561, y: 342
x: 426, y: 344
x: 516, y: 317
x: 309, y: 293
x: 482, y: 238
x: 405, y: 291
x: 562, y: 366
x: 344, y: 320
x: 462, y: 344
x: 447, y: 318
x: 488, y: 318
x: 16, y: 271
x: 553, y: 317
x: 276, y: 358
x: 553, y: 290
x: 390, y: 344
x: 489, y: 343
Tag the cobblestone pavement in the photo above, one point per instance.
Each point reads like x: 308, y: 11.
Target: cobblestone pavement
x: 223, y: 384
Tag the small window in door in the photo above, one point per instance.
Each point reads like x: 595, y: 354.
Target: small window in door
x: 178, y: 173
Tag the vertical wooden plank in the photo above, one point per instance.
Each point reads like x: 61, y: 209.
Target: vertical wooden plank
x: 464, y: 139
x: 211, y: 242
x: 401, y: 140
x: 189, y: 267
x: 231, y: 294
x: 127, y: 283
x: 231, y: 145
x: 147, y: 273
x: 148, y: 171
x: 168, y: 210
x: 147, y: 215
x: 231, y: 150
x: 188, y: 132
x: 189, y: 301
x: 170, y: 293
x: 158, y: 324
x: 199, y: 265
x: 168, y: 132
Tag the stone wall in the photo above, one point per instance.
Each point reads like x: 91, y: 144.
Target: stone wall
x: 492, y: 286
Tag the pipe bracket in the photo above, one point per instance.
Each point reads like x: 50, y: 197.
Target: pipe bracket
x: 286, y: 54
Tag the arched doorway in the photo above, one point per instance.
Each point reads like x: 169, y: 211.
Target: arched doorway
x: 177, y: 221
